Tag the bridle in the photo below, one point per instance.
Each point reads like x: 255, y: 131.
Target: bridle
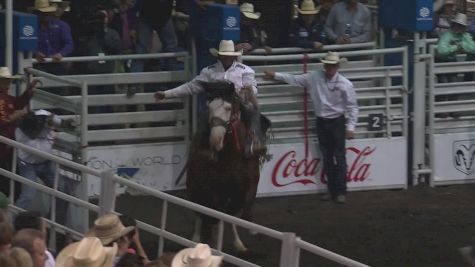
x: 230, y: 125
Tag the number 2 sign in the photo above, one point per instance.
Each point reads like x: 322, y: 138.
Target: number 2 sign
x: 375, y: 122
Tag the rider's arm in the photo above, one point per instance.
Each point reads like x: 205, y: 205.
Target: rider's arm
x: 249, y: 80
x: 189, y: 88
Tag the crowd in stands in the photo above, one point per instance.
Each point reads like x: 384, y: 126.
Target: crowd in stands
x: 112, y: 241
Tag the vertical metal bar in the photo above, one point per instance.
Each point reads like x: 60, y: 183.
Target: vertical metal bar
x: 9, y: 34
x: 12, y: 183
x: 52, y: 232
x: 163, y: 226
x: 219, y: 241
x: 82, y: 187
x: 405, y: 84
x: 431, y: 89
x: 387, y: 80
x: 194, y: 70
x: 287, y: 250
x: 296, y: 261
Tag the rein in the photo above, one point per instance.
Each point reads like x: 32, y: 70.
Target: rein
x: 231, y: 126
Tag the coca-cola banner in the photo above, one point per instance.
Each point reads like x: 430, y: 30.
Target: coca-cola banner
x: 372, y: 164
x: 454, y: 158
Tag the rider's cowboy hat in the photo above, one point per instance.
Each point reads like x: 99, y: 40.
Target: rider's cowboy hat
x: 199, y: 256
x: 331, y: 58
x: 307, y: 7
x: 6, y: 74
x: 89, y: 252
x: 247, y: 9
x: 44, y: 6
x: 460, y: 19
x: 226, y: 48
x: 108, y: 228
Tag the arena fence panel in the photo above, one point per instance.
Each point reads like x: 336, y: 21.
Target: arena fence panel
x: 382, y: 98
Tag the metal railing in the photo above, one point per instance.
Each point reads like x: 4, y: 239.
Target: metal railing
x: 291, y: 245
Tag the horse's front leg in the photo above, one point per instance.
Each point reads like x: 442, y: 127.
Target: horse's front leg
x: 197, y: 230
x: 237, y: 243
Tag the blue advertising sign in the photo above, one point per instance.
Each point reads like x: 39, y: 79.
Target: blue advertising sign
x: 25, y: 31
x: 409, y: 15
x: 217, y: 22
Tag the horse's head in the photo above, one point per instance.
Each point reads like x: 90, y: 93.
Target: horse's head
x: 223, y: 106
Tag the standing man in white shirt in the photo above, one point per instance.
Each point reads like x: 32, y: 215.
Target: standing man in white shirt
x: 227, y: 68
x: 333, y: 96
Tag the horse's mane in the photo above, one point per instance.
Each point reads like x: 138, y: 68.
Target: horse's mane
x: 223, y: 90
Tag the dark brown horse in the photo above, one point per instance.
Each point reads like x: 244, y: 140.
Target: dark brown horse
x: 228, y: 183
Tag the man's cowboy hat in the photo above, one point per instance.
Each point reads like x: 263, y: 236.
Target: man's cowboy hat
x: 199, y: 256
x: 247, y: 9
x: 226, y: 48
x: 66, y: 5
x: 331, y: 58
x: 109, y: 228
x: 460, y: 19
x: 6, y: 74
x: 89, y: 252
x: 44, y: 6
x: 307, y: 7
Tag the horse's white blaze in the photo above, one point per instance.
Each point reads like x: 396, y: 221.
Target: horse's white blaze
x: 221, y: 109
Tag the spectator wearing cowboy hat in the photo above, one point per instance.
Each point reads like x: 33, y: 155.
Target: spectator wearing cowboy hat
x: 33, y: 241
x: 199, y: 256
x: 349, y: 22
x: 333, y: 96
x: 252, y: 36
x: 307, y: 31
x: 443, y: 17
x: 54, y: 38
x: 89, y: 252
x: 11, y: 110
x: 454, y: 42
x: 111, y: 232
x: 243, y: 78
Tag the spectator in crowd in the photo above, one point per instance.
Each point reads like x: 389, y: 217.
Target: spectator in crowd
x: 11, y: 110
x: 33, y: 220
x: 333, y: 96
x: 89, y: 252
x: 454, y: 42
x: 252, y: 36
x: 200, y: 255
x: 307, y: 31
x: 325, y: 7
x: 37, y: 130
x: 181, y: 19
x: 243, y: 78
x: 111, y: 232
x: 130, y: 260
x: 349, y: 22
x: 20, y: 257
x: 33, y: 242
x: 6, y: 260
x: 443, y: 16
x: 54, y: 37
x: 136, y: 245
x: 6, y: 235
x: 123, y: 22
x: 61, y: 7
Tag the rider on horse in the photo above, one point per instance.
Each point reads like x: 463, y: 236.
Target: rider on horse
x: 243, y: 78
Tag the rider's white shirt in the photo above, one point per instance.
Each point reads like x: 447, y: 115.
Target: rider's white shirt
x: 239, y: 74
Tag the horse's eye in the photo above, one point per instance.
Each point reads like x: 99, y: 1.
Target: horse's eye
x: 228, y: 108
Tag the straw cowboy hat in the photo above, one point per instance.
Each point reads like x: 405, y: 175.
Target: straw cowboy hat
x: 331, y: 58
x: 460, y: 19
x: 247, y: 9
x: 44, y: 6
x: 89, y: 252
x: 6, y: 74
x: 307, y: 7
x: 226, y: 48
x: 109, y: 228
x: 199, y: 256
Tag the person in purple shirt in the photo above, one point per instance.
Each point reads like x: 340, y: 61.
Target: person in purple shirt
x: 54, y: 37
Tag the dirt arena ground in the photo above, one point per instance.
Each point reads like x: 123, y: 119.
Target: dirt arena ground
x: 418, y: 227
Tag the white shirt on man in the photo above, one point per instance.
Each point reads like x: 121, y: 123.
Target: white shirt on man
x: 238, y: 74
x: 331, y: 98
